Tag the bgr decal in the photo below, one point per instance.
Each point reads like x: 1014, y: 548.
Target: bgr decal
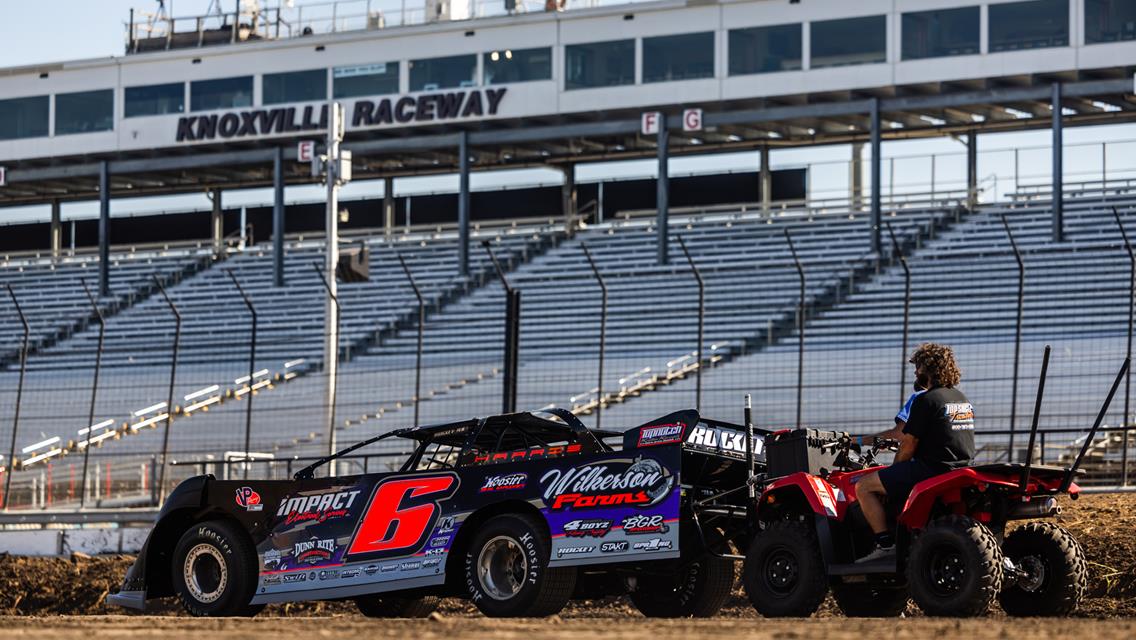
x: 637, y: 524
x: 641, y: 482
x: 401, y: 516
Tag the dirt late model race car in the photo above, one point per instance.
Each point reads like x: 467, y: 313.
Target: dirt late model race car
x: 518, y: 513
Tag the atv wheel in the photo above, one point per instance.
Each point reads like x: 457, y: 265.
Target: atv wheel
x: 507, y: 572
x: 955, y: 568
x: 1056, y: 574
x: 214, y: 571
x: 379, y: 606
x: 862, y: 601
x: 698, y: 589
x: 784, y: 574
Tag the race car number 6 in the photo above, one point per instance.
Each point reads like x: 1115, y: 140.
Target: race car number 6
x: 401, y: 515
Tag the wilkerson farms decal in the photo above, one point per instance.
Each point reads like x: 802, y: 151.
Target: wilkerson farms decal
x: 422, y: 108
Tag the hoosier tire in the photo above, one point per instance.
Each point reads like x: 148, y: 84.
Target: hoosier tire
x: 955, y: 568
x: 214, y: 571
x: 698, y: 589
x: 860, y: 601
x: 784, y: 574
x: 381, y: 606
x: 1057, y: 575
x: 507, y: 572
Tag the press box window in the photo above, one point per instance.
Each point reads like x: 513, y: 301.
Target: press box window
x: 518, y: 65
x: 599, y: 64
x: 1029, y: 25
x: 945, y: 32
x: 84, y: 112
x: 765, y: 49
x: 849, y: 41
x: 681, y: 57
x: 155, y: 100
x: 365, y: 80
x: 223, y: 93
x: 23, y: 118
x: 294, y: 86
x: 1109, y: 21
x: 443, y: 73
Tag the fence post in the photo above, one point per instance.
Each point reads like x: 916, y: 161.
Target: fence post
x: 603, y: 331
x: 334, y: 386
x: 94, y: 389
x: 800, y: 325
x: 512, y: 336
x: 160, y: 491
x: 10, y: 465
x: 906, y: 312
x: 1017, y: 335
x: 421, y: 325
x: 252, y: 369
x: 701, y: 324
x: 1128, y: 374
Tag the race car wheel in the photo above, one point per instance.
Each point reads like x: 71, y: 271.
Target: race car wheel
x: 955, y: 568
x: 697, y: 588
x: 861, y: 601
x: 784, y: 574
x: 384, y: 606
x: 1053, y: 576
x: 507, y: 572
x: 214, y: 570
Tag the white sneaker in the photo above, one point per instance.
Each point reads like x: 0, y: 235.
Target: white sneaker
x: 879, y: 553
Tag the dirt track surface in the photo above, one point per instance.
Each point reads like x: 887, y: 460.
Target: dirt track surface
x: 567, y: 628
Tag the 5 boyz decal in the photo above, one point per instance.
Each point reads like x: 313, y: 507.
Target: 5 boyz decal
x: 595, y: 527
x: 317, y: 508
x: 641, y: 482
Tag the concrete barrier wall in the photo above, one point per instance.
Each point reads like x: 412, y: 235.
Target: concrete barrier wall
x: 64, y: 542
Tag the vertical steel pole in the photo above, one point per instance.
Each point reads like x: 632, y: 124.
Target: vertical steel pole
x: 388, y: 207
x: 421, y: 328
x: 800, y: 326
x: 252, y: 368
x: 662, y: 193
x: 1127, y: 420
x: 1017, y: 335
x: 1058, y: 171
x: 335, y: 132
x: 701, y: 323
x: 971, y: 170
x: 463, y: 203
x: 332, y: 388
x: 512, y: 335
x: 603, y: 331
x: 160, y: 493
x: 877, y: 216
x: 906, y: 313
x: 104, y: 229
x: 766, y: 180
x: 94, y: 390
x: 10, y: 464
x: 278, y: 217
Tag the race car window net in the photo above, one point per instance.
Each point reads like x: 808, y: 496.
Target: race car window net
x: 438, y: 455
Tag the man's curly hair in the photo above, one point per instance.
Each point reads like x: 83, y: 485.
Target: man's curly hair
x: 938, y: 360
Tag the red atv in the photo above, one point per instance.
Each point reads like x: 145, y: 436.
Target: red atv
x: 953, y: 555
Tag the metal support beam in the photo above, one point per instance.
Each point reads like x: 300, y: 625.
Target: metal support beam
x: 875, y: 173
x: 568, y: 197
x: 388, y: 207
x: 104, y: 229
x: 217, y: 223
x: 463, y: 203
x: 856, y: 177
x: 972, y: 170
x: 766, y: 182
x: 278, y: 218
x: 662, y: 192
x: 1058, y: 178
x: 56, y: 230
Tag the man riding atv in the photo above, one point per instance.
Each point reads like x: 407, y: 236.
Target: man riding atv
x: 935, y: 436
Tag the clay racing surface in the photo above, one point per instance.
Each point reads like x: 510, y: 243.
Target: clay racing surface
x: 64, y: 598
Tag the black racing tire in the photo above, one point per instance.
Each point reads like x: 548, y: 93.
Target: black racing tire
x: 697, y: 589
x: 214, y: 570
x: 507, y: 573
x: 784, y: 574
x: 955, y: 568
x: 1059, y: 575
x: 864, y: 601
x: 377, y: 605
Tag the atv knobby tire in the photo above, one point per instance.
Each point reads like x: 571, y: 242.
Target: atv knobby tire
x: 863, y: 601
x: 1058, y: 575
x: 214, y: 570
x: 784, y: 574
x: 387, y: 606
x: 955, y: 568
x: 507, y: 573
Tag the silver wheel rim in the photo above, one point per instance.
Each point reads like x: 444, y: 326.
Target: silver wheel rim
x: 501, y: 568
x: 205, y: 573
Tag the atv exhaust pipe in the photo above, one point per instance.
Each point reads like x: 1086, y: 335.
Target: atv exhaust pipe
x: 1045, y: 507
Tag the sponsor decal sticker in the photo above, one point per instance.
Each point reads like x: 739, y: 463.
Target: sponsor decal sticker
x: 271, y: 580
x: 317, y: 508
x: 328, y: 574
x: 431, y: 562
x: 371, y: 569
x: 722, y: 441
x: 595, y: 527
x: 409, y: 566
x: 571, y: 551
x: 387, y: 568
x: 654, y: 544
x: 641, y: 482
x: 314, y: 550
x: 248, y: 499
x: 350, y: 573
x: 614, y: 547
x: 272, y: 559
x: 446, y: 525
x: 510, y: 482
x: 434, y: 552
x: 636, y: 524
x: 440, y: 541
x: 294, y: 577
x: 660, y: 434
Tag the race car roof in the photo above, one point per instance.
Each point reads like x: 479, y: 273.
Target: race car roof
x: 502, y: 432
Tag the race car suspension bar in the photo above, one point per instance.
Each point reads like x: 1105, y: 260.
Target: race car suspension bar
x: 1096, y: 425
x: 1036, y: 415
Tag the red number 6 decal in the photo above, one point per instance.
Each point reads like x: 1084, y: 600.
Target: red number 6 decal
x: 401, y: 515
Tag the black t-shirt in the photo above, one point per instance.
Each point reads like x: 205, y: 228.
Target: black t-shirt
x: 943, y: 421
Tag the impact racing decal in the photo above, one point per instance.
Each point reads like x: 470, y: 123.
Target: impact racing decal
x: 317, y: 508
